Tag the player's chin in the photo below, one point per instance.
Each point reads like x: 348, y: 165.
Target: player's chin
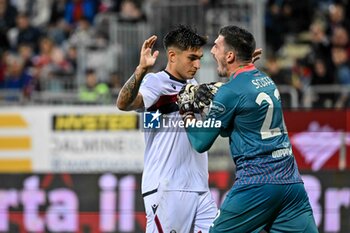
x: 190, y: 75
x: 221, y: 72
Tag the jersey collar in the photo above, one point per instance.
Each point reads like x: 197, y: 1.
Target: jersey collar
x: 172, y: 77
x: 242, y: 69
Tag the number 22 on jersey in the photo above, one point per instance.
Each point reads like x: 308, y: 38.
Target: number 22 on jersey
x: 266, y: 131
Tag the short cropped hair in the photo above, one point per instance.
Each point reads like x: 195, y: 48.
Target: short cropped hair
x: 240, y: 40
x: 184, y: 38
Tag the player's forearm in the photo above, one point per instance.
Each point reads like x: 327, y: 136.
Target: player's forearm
x: 130, y: 90
x: 201, y: 139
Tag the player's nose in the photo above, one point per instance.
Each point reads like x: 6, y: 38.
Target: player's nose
x: 197, y: 64
x: 212, y: 50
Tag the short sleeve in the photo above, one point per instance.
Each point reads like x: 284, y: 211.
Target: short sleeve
x: 149, y: 89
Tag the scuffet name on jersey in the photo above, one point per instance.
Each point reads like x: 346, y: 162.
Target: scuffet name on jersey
x: 262, y: 82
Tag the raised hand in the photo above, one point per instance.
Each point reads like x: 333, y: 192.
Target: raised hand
x: 129, y: 97
x: 147, y: 57
x: 256, y: 54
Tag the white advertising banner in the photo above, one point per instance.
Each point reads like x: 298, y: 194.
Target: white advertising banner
x: 70, y: 139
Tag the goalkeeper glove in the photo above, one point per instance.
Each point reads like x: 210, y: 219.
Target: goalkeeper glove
x: 205, y: 94
x: 185, y: 98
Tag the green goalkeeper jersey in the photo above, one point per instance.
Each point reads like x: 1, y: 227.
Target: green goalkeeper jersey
x: 249, y: 108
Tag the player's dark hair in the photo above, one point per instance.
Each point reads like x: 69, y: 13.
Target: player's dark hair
x: 184, y: 38
x: 240, y: 40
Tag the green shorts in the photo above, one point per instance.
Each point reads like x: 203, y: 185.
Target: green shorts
x: 269, y: 207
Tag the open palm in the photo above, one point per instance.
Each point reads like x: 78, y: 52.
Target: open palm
x: 147, y: 58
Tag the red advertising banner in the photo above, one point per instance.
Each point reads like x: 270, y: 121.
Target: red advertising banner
x: 96, y: 203
x: 320, y: 138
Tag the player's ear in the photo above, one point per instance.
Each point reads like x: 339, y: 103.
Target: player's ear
x: 230, y: 57
x: 171, y: 55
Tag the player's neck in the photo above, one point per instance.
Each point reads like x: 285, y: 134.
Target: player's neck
x: 238, y: 66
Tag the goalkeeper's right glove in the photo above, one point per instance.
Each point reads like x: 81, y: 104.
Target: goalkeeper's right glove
x: 185, y: 98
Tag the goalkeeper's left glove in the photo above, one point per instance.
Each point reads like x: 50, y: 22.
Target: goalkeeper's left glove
x: 205, y: 93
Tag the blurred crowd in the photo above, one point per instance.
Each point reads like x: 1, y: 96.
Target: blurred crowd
x: 307, y: 45
x: 39, y: 42
x: 319, y: 31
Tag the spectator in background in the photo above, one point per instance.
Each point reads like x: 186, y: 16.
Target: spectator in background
x: 2, y: 67
x: 86, y: 35
x: 116, y: 5
x: 337, y: 17
x: 4, y: 43
x: 58, y: 29
x: 296, y: 15
x: 93, y: 92
x: 57, y: 11
x: 341, y: 63
x: 131, y: 13
x: 16, y: 78
x: 25, y: 51
x: 301, y: 77
x: 59, y: 65
x: 320, y: 45
x: 7, y: 20
x: 321, y: 76
x: 109, y: 6
x: 51, y: 66
x: 274, y: 26
x: 285, y: 17
x: 115, y: 84
x: 72, y: 56
x: 38, y: 11
x: 24, y: 33
x: 59, y: 32
x: 78, y: 9
x: 342, y: 73
x: 280, y: 77
x: 346, y: 7
x: 43, y: 58
x: 340, y: 38
x: 58, y: 72
x: 8, y: 15
x: 276, y: 73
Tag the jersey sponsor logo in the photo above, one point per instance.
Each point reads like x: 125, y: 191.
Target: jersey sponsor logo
x: 216, y: 109
x: 173, y: 86
x: 151, y: 120
x: 282, y: 153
